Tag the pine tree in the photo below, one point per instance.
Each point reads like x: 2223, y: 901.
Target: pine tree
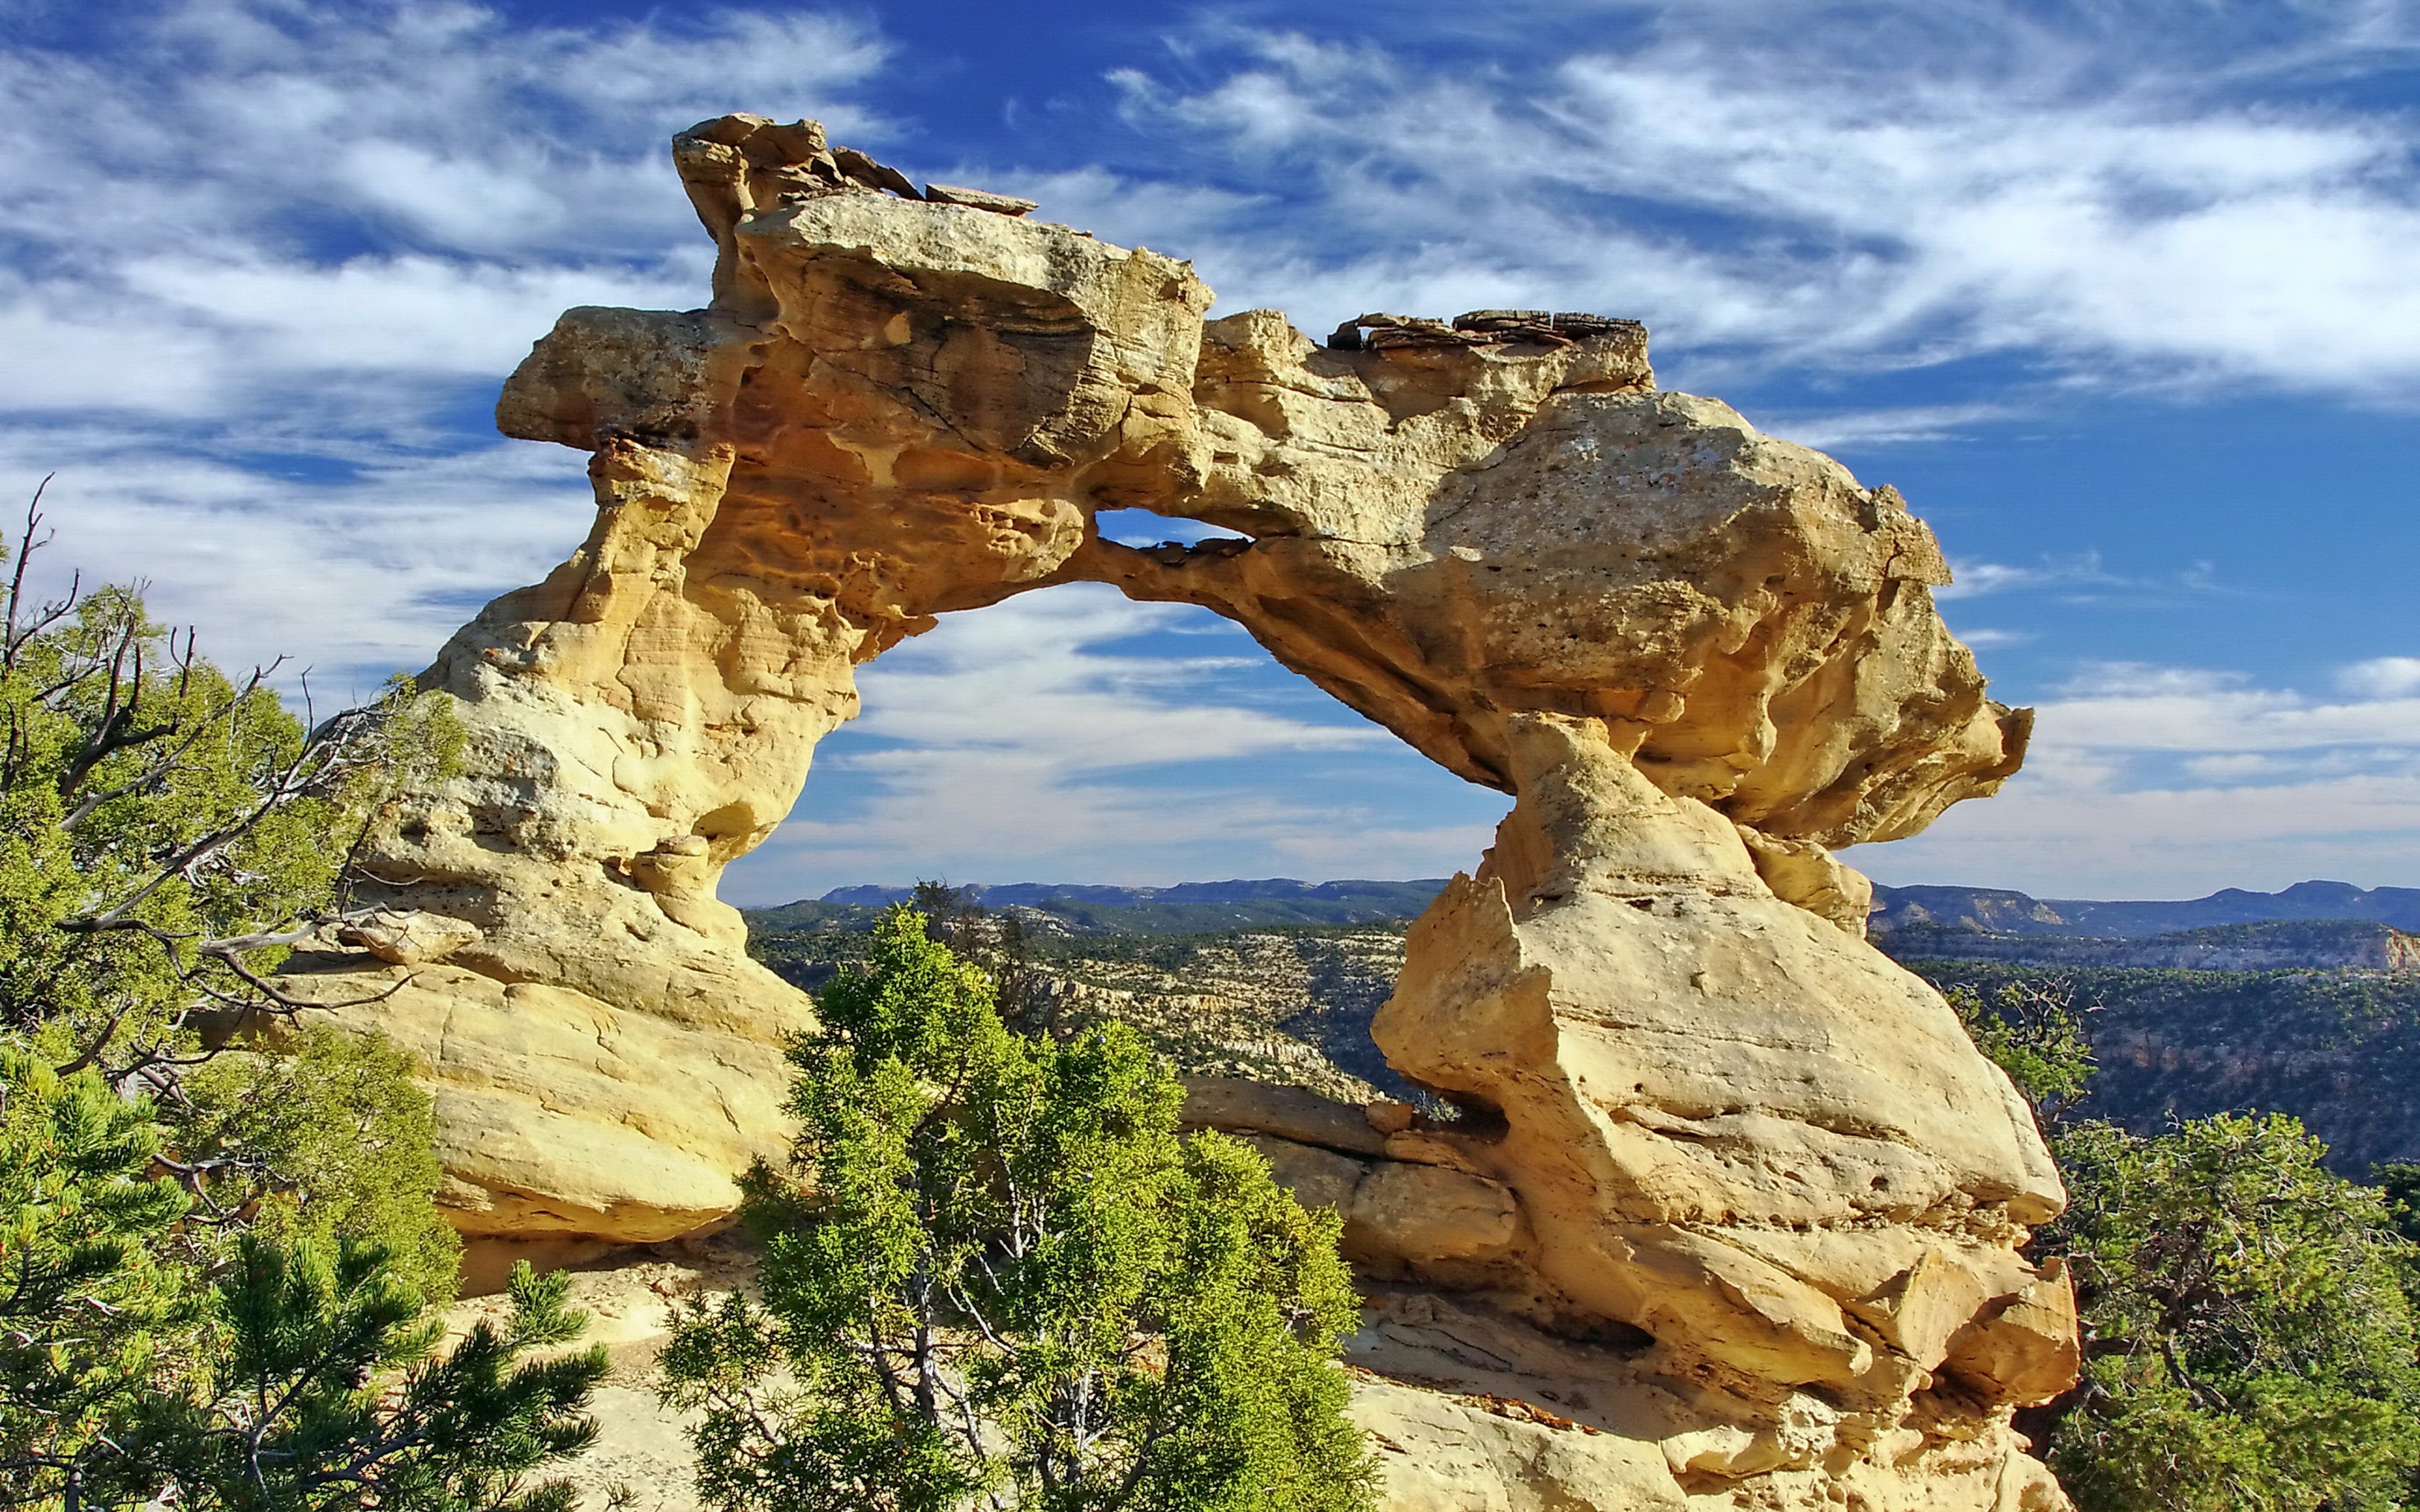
x: 93, y: 1299
x: 296, y: 1406
x: 216, y: 1262
x: 1001, y: 1274
x: 2250, y: 1338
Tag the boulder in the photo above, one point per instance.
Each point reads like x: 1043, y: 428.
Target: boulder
x: 1295, y: 1113
x: 2024, y: 1351
x: 1425, y: 1215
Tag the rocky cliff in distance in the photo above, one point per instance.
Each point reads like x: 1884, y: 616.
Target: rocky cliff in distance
x: 1729, y: 1188
x: 1997, y: 910
x: 2275, y: 945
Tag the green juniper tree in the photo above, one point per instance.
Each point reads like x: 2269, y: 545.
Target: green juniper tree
x: 2034, y: 1033
x: 2250, y: 1343
x: 1003, y: 1278
x: 215, y: 1262
x: 2249, y: 1333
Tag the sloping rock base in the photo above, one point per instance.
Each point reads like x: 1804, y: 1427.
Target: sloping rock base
x: 1469, y: 1410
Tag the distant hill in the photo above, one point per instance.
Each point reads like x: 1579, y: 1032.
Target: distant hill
x: 1185, y: 909
x: 1997, y: 910
x: 2271, y: 944
x: 1276, y: 979
x: 1292, y: 1005
x: 1202, y: 907
x: 2340, y: 1050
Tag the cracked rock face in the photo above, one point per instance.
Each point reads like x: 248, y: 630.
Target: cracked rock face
x: 1711, y: 1135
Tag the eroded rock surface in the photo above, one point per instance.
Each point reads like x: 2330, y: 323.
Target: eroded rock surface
x: 1727, y: 1183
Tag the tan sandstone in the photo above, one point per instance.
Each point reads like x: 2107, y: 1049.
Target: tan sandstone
x: 1731, y: 1208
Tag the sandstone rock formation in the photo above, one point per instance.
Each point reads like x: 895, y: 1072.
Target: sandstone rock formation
x: 1727, y: 1185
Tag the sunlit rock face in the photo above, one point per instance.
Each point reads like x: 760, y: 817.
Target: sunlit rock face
x: 1733, y: 1183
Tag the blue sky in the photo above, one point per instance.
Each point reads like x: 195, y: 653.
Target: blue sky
x: 2124, y: 297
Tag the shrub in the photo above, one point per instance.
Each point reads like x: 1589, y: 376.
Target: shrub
x: 2250, y: 1343
x: 216, y: 1265
x: 1002, y: 1272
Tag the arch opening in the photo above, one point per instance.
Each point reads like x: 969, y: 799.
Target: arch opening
x: 1072, y: 734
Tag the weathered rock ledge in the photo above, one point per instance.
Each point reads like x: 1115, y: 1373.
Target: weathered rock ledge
x: 1730, y: 1213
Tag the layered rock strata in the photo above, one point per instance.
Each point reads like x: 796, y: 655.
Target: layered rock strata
x: 1724, y: 1182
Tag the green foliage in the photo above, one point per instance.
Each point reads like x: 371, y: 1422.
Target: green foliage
x: 91, y: 1297
x: 214, y: 1264
x: 326, y: 1139
x: 296, y: 1408
x: 2249, y: 1340
x: 164, y: 829
x: 1004, y: 1273
x: 2033, y: 1032
x: 2399, y: 1181
x: 126, y: 772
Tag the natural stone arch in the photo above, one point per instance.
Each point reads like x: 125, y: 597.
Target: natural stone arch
x: 1700, y: 657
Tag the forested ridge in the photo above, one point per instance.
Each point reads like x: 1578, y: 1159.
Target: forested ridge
x: 2339, y: 1050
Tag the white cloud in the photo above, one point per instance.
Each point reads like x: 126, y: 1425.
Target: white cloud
x: 2382, y: 677
x: 261, y: 193
x: 2143, y: 680
x: 2080, y: 576
x: 2149, y: 781
x: 1034, y: 741
x: 266, y: 264
x: 1973, y: 579
x: 2128, y: 707
x: 1882, y: 427
x: 1900, y: 191
x: 360, y: 573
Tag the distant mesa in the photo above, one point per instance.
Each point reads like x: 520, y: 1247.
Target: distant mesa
x: 1184, y: 908
x: 1903, y: 919
x: 1420, y: 892
x: 1998, y: 911
x: 2268, y: 945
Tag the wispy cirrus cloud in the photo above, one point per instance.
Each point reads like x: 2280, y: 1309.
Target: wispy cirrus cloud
x: 2153, y: 780
x: 265, y: 265
x: 2155, y: 194
x: 1883, y: 427
x: 2077, y: 576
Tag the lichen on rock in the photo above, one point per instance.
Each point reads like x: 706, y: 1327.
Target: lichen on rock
x: 1729, y: 1187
